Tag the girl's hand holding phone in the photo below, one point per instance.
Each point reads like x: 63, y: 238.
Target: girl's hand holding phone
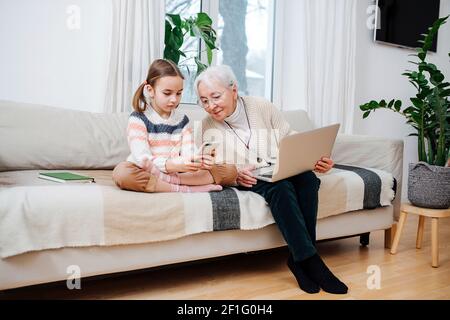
x: 182, y: 165
x: 202, y: 160
x: 205, y: 160
x: 197, y: 162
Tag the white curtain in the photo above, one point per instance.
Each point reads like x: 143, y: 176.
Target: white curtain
x: 137, y: 39
x: 318, y: 72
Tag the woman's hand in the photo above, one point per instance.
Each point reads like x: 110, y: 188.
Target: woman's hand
x: 324, y: 165
x: 245, y: 177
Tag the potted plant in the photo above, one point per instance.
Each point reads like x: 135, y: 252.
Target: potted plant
x: 429, y: 115
x: 178, y: 30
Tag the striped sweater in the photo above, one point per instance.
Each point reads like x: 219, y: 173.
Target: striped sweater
x: 152, y: 137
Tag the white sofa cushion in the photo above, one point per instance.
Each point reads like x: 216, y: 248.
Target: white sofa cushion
x: 35, y: 136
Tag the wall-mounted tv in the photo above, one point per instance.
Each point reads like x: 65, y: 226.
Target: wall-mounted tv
x: 401, y: 22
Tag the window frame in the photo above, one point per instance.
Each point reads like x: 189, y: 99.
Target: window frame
x: 273, y: 64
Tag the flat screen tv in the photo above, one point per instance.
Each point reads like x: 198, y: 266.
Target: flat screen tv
x: 401, y: 22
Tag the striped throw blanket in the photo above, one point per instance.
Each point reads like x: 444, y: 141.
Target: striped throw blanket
x: 37, y: 214
x: 369, y: 189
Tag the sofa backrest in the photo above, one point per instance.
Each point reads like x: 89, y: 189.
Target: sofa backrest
x: 298, y: 119
x: 42, y: 137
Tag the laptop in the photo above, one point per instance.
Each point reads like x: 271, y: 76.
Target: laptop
x: 299, y: 153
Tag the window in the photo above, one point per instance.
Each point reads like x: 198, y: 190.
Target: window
x: 249, y: 53
x: 186, y: 8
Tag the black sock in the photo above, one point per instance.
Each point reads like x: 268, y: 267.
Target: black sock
x: 318, y: 272
x: 305, y: 283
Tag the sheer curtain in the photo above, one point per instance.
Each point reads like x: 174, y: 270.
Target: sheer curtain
x: 137, y: 39
x: 318, y: 71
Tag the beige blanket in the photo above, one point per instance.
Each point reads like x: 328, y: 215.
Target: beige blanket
x: 36, y: 214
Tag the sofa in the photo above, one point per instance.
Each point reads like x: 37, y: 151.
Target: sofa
x: 46, y: 227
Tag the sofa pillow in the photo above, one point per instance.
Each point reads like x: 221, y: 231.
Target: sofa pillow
x: 42, y: 137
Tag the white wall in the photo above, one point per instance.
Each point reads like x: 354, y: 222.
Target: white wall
x: 42, y: 61
x: 378, y: 76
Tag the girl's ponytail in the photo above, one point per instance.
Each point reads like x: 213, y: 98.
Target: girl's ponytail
x: 139, y: 104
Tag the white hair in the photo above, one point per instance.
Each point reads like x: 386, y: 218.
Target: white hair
x: 222, y: 74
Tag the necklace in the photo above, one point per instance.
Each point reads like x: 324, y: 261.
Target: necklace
x: 247, y: 144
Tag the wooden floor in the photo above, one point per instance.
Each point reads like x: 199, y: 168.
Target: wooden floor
x: 264, y: 275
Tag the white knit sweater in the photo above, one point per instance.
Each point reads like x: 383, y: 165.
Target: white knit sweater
x: 267, y: 128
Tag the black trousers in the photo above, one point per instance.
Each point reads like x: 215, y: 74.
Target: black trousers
x: 294, y: 203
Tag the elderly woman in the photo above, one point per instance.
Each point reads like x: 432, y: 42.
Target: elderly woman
x: 249, y: 129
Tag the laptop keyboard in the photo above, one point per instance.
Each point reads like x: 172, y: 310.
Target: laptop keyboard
x: 265, y: 172
x: 267, y: 175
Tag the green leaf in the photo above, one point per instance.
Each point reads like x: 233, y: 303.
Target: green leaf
x: 374, y: 104
x: 177, y: 36
x: 200, y: 66
x: 175, y: 19
x: 417, y: 102
x: 172, y: 55
x: 195, y: 31
x: 391, y: 103
x: 167, y: 33
x: 445, y: 93
x: 415, y: 117
x: 398, y: 105
x: 209, y: 55
x: 414, y: 84
x: 437, y: 78
x: 178, y: 30
x: 363, y: 107
x: 203, y: 19
x: 366, y: 114
x: 408, y: 110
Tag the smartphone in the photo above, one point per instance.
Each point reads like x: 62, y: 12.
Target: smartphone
x: 207, y: 147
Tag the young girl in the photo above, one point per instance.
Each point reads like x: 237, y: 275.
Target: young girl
x: 162, y: 155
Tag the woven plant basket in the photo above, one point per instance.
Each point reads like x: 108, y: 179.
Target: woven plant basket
x: 429, y: 186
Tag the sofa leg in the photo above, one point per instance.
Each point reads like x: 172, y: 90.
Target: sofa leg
x: 389, y: 236
x: 364, y: 239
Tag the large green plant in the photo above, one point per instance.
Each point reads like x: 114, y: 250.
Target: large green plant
x: 429, y: 113
x: 178, y: 30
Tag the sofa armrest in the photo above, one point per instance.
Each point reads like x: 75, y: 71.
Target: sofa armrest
x: 372, y: 152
